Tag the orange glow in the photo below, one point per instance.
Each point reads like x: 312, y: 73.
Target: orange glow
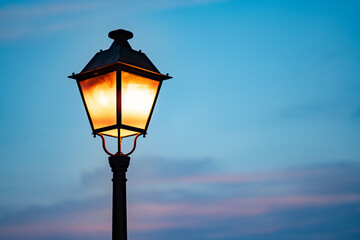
x: 100, y: 97
x: 137, y: 97
x: 123, y: 133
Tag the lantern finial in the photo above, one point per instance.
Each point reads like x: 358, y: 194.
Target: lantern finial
x: 121, y: 36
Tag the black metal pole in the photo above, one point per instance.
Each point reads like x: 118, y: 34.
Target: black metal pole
x: 119, y: 165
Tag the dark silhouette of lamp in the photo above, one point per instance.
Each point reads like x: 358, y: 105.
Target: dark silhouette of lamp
x: 119, y: 88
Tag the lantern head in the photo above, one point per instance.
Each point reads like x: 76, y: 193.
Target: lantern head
x: 119, y: 88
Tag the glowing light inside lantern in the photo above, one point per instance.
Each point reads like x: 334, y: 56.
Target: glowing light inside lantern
x: 137, y: 98
x: 100, y: 97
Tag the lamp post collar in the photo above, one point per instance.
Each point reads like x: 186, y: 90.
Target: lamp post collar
x: 119, y: 163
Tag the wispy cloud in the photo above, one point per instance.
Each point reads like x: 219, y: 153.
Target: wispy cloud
x: 206, y: 206
x: 22, y: 20
x: 29, y: 11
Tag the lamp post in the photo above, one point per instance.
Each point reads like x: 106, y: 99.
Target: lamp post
x: 119, y: 88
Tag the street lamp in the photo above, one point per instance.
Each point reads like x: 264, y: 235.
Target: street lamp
x: 119, y: 88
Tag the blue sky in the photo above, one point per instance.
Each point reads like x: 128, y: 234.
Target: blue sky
x: 256, y: 137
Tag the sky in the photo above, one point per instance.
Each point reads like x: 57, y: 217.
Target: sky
x: 256, y: 137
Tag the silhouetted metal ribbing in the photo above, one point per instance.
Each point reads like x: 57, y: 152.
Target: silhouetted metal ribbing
x: 119, y: 165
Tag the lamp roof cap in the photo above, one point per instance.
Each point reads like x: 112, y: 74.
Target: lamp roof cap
x: 121, y: 34
x: 120, y: 52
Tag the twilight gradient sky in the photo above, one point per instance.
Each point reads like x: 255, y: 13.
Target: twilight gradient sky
x: 256, y: 137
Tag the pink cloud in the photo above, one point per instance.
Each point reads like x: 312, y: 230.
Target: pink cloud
x: 195, y: 214
x: 238, y: 178
x: 156, y: 216
x: 46, y: 228
x: 73, y: 222
x: 160, y: 216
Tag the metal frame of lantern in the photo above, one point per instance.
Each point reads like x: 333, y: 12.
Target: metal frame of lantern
x: 122, y: 59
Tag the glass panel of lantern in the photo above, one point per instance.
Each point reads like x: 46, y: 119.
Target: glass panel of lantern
x: 137, y: 95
